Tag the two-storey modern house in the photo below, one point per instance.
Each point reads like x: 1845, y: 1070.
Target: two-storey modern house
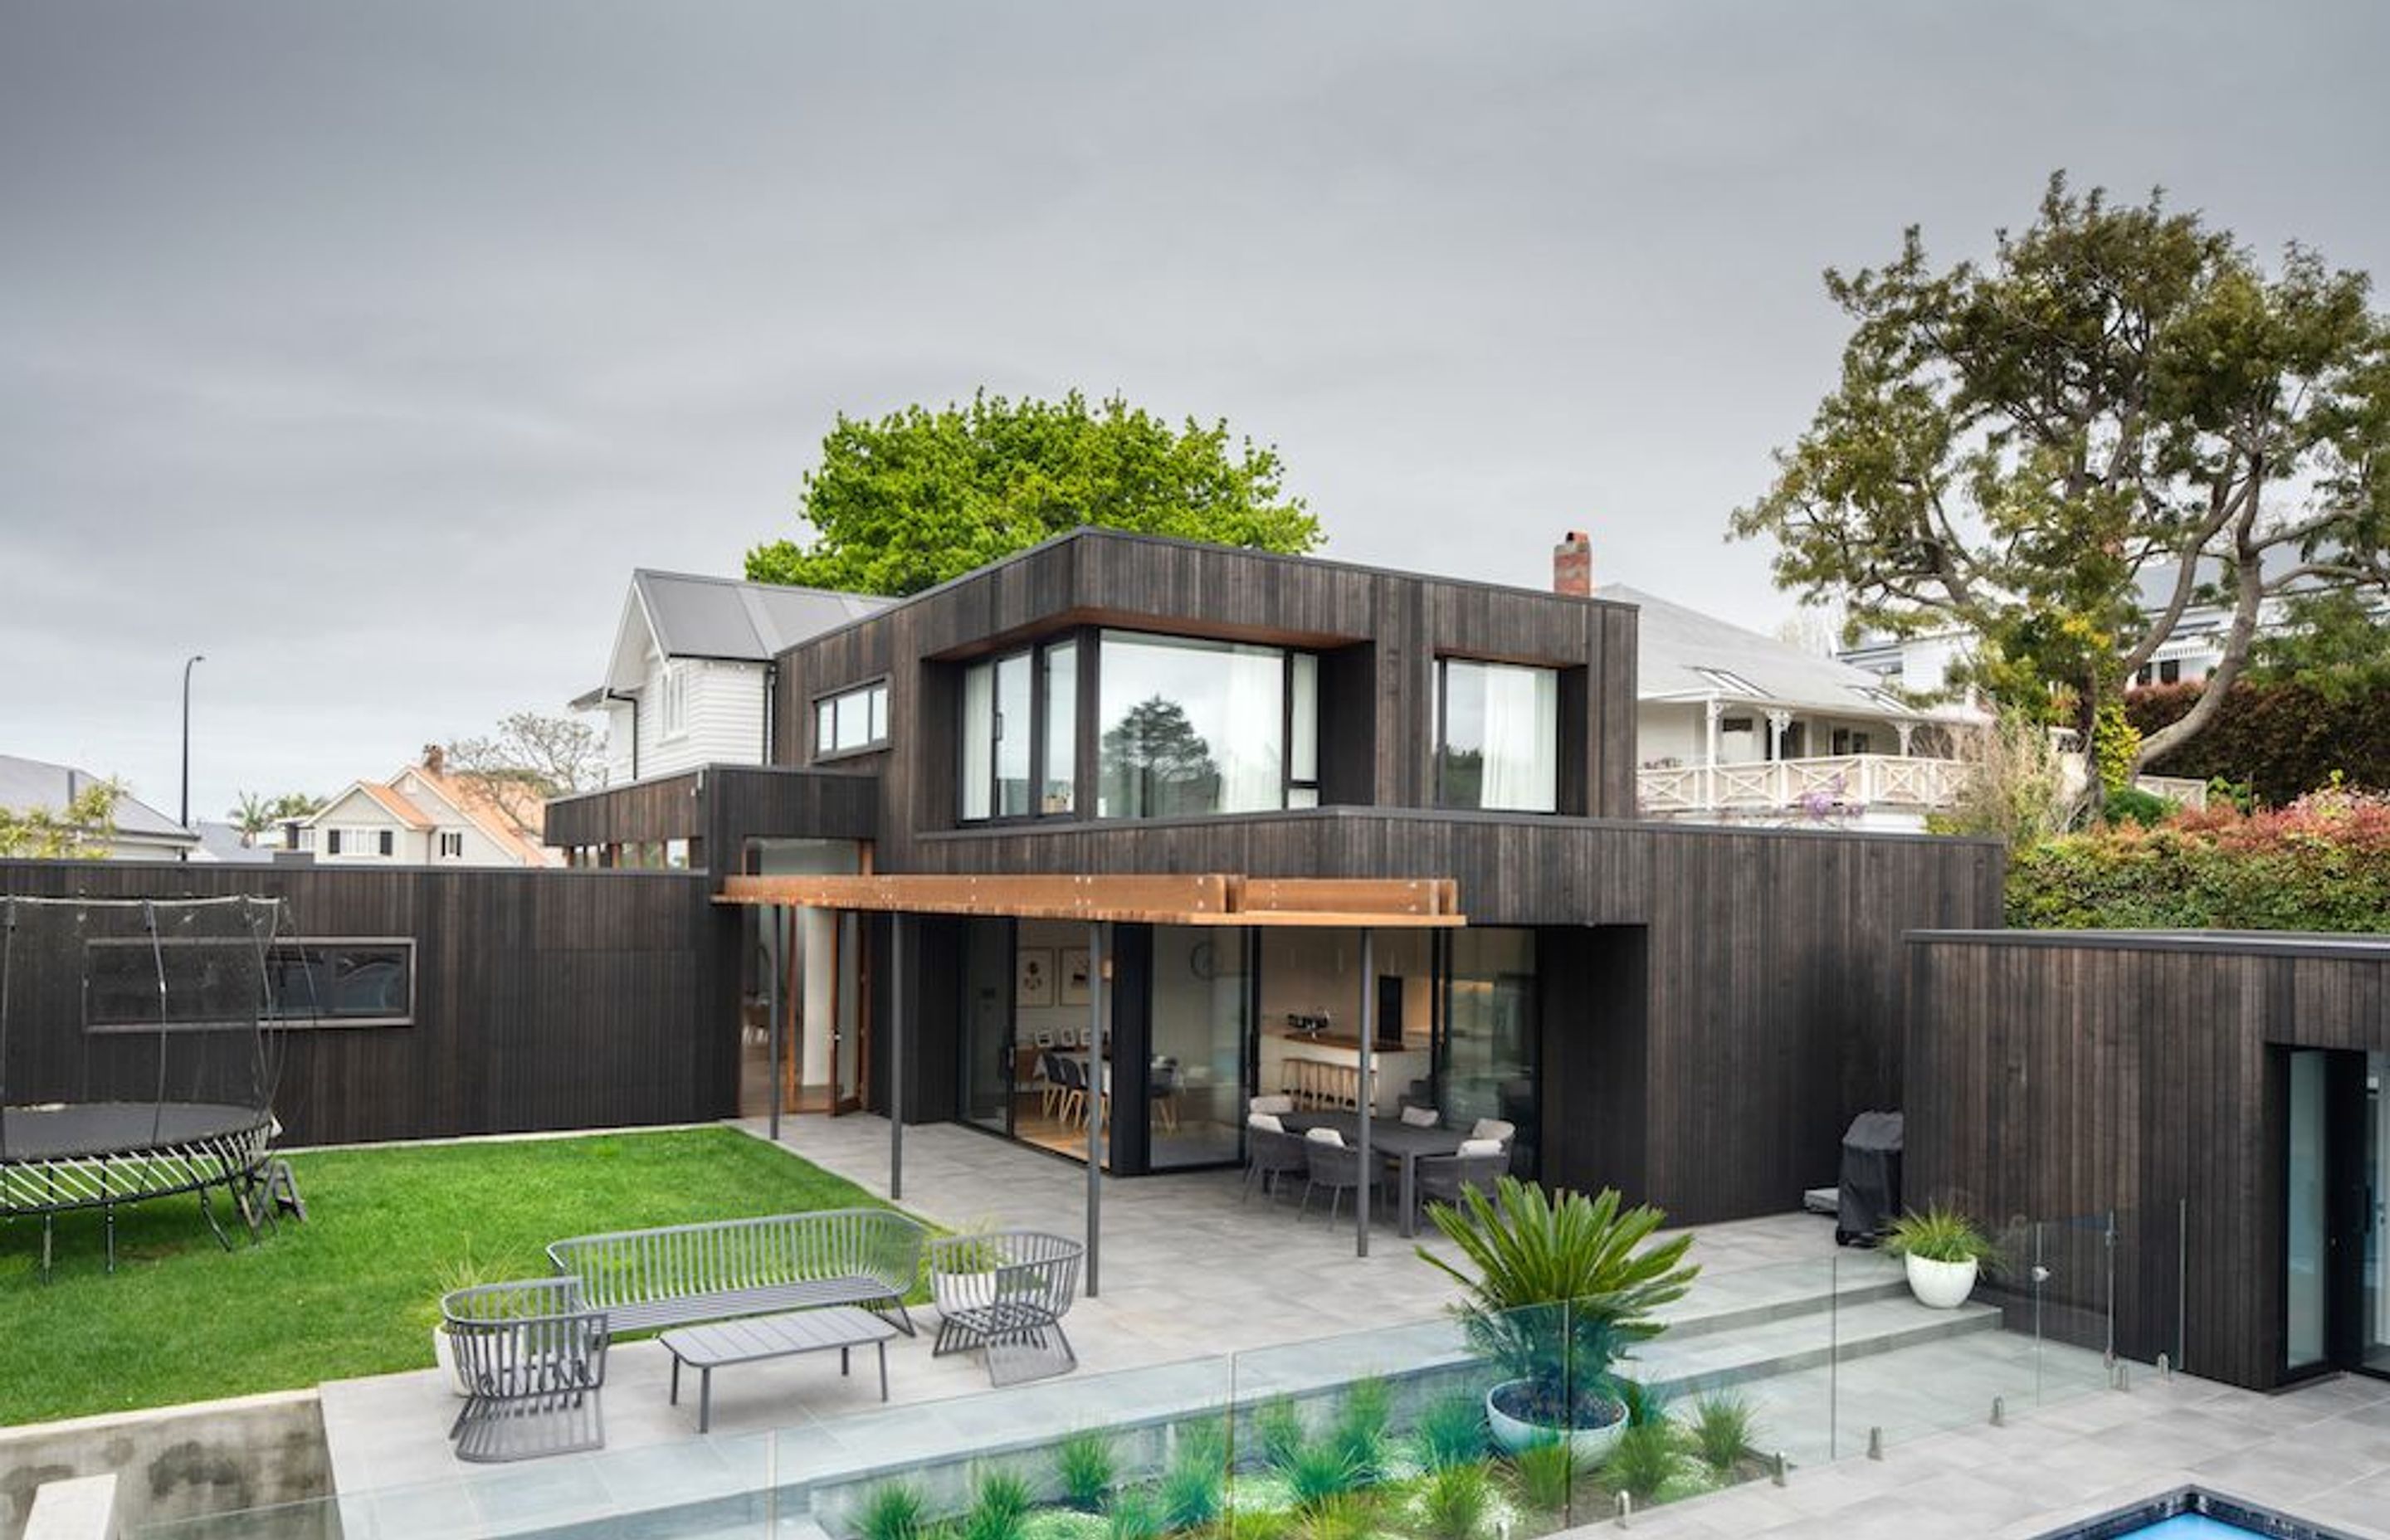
x: 1263, y: 800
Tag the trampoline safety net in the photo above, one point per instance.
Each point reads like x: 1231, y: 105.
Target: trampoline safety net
x: 137, y: 1055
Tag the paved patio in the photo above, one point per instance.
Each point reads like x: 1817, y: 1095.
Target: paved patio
x: 1191, y: 1275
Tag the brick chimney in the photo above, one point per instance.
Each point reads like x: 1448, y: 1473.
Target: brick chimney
x: 1573, y: 565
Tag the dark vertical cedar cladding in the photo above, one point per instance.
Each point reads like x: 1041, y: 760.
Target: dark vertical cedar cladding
x: 1379, y: 635
x: 2053, y: 1075
x: 1748, y: 982
x: 543, y: 999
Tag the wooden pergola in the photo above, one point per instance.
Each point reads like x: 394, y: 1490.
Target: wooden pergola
x: 1366, y: 905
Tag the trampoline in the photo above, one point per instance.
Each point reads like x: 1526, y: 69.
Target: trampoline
x: 135, y: 1059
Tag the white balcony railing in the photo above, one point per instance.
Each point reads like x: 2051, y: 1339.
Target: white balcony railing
x: 1773, y: 785
x: 1835, y: 782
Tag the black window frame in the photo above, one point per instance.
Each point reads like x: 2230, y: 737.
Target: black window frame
x: 1443, y: 738
x: 278, y: 1016
x: 831, y: 698
x: 1035, y: 651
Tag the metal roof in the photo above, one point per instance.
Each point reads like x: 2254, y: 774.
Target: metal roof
x: 1674, y: 645
x: 712, y: 617
x: 27, y: 783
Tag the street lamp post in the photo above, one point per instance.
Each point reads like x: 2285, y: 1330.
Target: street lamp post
x: 195, y: 657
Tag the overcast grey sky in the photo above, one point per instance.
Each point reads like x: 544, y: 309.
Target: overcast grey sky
x: 368, y: 349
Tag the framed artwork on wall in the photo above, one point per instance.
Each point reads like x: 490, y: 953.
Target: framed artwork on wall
x: 1074, y: 975
x: 1033, y: 983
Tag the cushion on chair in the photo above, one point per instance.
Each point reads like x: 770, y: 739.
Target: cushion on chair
x: 1325, y: 1135
x: 1481, y: 1146
x: 1492, y: 1128
x: 1270, y: 1104
x: 1420, y: 1117
x: 1264, y: 1120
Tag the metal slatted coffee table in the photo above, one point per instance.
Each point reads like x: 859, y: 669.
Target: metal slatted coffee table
x: 707, y: 1348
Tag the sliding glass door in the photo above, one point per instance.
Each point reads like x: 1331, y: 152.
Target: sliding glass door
x: 2377, y: 1213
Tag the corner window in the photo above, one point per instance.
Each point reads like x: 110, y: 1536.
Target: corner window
x: 851, y: 720
x: 1019, y: 734
x: 1183, y: 725
x: 1194, y: 727
x: 1497, y: 741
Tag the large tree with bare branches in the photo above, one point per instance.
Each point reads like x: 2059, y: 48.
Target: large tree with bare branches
x: 2119, y: 397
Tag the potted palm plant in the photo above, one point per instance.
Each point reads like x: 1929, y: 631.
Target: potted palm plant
x: 1943, y: 1251
x: 1558, y: 1291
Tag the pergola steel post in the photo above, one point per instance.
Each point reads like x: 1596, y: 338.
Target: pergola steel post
x: 1095, y: 1062
x: 777, y: 962
x: 895, y: 1056
x: 1363, y: 1100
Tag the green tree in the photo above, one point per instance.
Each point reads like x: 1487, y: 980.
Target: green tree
x: 81, y: 830
x: 2119, y: 392
x: 552, y: 755
x: 2335, y: 642
x: 296, y: 805
x: 919, y: 496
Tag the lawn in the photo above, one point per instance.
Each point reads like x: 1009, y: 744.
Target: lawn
x: 354, y: 1290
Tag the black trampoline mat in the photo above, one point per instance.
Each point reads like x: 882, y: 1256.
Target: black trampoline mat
x: 55, y: 1133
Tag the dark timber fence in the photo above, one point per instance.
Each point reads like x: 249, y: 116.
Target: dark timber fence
x: 542, y: 1000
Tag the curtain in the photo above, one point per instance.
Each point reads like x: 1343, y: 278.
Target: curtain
x: 1522, y: 739
x: 1251, y: 750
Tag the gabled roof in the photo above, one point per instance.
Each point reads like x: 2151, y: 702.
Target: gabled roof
x: 508, y: 811
x: 30, y: 783
x: 1674, y: 644
x: 688, y: 615
x: 396, y: 804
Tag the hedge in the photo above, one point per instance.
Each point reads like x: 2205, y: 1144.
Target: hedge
x: 2320, y: 864
x: 2284, y: 740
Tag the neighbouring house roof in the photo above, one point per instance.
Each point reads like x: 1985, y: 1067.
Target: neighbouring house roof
x: 1674, y: 644
x: 222, y: 842
x: 393, y: 803
x: 508, y: 811
x: 30, y: 783
x: 688, y: 615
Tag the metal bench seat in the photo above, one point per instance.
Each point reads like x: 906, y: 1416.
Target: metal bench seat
x: 531, y: 1356
x: 684, y: 1275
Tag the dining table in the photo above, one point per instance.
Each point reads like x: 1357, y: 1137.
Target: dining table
x: 1391, y: 1137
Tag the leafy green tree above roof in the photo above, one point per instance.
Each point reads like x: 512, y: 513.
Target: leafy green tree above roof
x: 919, y: 496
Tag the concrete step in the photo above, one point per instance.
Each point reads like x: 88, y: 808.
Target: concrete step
x: 1734, y: 1301
x: 1688, y: 1364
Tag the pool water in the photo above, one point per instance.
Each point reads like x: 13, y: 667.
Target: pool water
x: 2193, y: 1526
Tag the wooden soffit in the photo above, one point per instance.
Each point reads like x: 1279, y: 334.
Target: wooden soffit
x: 1212, y: 898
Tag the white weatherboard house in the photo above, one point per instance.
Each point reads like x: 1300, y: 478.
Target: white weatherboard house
x: 691, y: 676
x: 1731, y: 724
x: 422, y: 816
x: 142, y: 833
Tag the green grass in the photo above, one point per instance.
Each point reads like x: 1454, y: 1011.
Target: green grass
x: 353, y: 1290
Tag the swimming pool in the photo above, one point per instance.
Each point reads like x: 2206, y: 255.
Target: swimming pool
x: 2188, y: 1513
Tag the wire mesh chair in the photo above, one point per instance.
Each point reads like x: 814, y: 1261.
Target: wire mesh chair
x: 1007, y: 1292
x: 533, y: 1358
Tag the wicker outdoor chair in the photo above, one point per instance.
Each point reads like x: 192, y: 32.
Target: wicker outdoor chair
x: 531, y: 1358
x: 1272, y: 1157
x: 1336, y: 1167
x: 1007, y: 1292
x: 1442, y: 1179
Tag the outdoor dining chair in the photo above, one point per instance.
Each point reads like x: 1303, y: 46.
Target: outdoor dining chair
x: 1335, y: 1166
x: 1272, y: 1156
x: 1442, y: 1179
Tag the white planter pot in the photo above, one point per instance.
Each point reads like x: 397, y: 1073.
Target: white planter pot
x: 1511, y: 1435
x: 1940, y: 1285
x: 445, y: 1357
